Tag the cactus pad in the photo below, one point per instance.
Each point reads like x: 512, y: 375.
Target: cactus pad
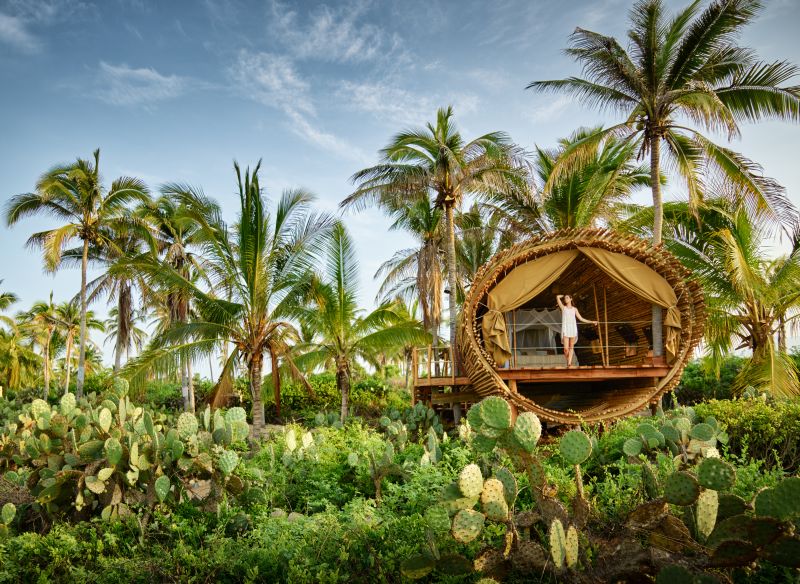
x: 474, y: 416
x: 161, y: 487
x: 8, y: 513
x: 575, y: 447
x: 527, y: 431
x: 703, y: 432
x: 769, y: 504
x: 716, y: 474
x: 784, y: 552
x: 730, y: 505
x: 39, y: 407
x: 417, y: 566
x: 453, y: 565
x: 509, y: 484
x: 113, y: 451
x: 650, y: 481
x: 632, y: 447
x: 558, y: 550
x: 681, y: 488
x: 571, y: 547
x: 227, y: 462
x: 467, y: 525
x: 68, y: 403
x: 496, y: 413
x: 187, y: 425
x: 707, y: 505
x: 104, y: 419
x: 732, y: 553
x: 484, y: 444
x: 235, y: 414
x: 438, y: 519
x: 493, y: 500
x: 674, y: 575
x: 529, y: 557
x: 470, y: 481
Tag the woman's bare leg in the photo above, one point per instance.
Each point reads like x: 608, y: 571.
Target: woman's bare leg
x: 569, y: 350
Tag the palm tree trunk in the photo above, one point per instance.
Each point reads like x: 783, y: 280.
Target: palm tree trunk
x: 190, y: 386
x: 82, y: 350
x: 47, y: 367
x: 68, y: 362
x: 453, y: 282
x: 658, y: 220
x: 276, y: 382
x: 185, y: 386
x: 343, y: 383
x: 255, y: 391
x: 782, y: 334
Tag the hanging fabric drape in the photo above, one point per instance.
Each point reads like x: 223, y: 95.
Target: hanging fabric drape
x: 644, y: 282
x: 518, y: 287
x: 536, y: 329
x: 530, y: 279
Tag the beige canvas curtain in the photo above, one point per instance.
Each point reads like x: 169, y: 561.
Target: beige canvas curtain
x: 532, y: 278
x: 521, y: 285
x: 645, y: 283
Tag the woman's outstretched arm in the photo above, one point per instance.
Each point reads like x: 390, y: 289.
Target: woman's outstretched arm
x: 580, y: 318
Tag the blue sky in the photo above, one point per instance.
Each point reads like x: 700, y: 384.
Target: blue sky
x: 174, y: 91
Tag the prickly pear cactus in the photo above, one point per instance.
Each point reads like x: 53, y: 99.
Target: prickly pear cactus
x: 187, y: 425
x: 571, y: 547
x: 558, y: 551
x: 161, y: 487
x: 467, y: 525
x: 496, y: 413
x: 470, y: 481
x: 575, y: 447
x: 706, y: 512
x: 716, y: 474
x: 493, y: 500
x: 227, y: 461
x: 527, y: 431
x: 681, y: 488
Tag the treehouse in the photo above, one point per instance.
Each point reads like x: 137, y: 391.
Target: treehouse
x: 509, y: 336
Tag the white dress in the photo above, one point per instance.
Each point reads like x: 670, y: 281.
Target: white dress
x: 569, y: 325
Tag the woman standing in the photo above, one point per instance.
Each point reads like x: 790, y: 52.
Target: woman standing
x: 569, y: 325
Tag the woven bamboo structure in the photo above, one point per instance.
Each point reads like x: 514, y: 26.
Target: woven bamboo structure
x: 586, y: 400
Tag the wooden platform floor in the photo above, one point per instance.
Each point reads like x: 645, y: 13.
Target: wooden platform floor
x: 556, y: 375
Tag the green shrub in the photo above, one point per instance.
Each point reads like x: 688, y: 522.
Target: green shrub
x: 699, y: 383
x: 757, y: 430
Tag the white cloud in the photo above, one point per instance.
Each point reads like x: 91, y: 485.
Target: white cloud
x: 397, y: 105
x: 274, y: 81
x: 332, y: 34
x: 14, y: 32
x: 126, y: 86
x: 549, y: 111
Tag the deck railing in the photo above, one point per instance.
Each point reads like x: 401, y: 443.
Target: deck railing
x: 432, y: 363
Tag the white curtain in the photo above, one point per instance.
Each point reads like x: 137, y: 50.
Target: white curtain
x: 535, y: 329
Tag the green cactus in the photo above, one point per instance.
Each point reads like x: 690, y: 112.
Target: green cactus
x: 632, y: 447
x: 575, y: 447
x: 496, y: 413
x: 675, y: 575
x: 437, y: 519
x: 113, y: 451
x: 733, y: 553
x: 650, y: 481
x: 467, y: 525
x: 8, y: 513
x: 681, y: 488
x: 703, y: 432
x: 494, y: 501
x: 558, y: 543
x: 527, y: 431
x: 571, y: 547
x: 470, y: 481
x: 716, y: 474
x: 68, y: 404
x: 509, y: 484
x: 161, y: 488
x: 187, y: 425
x: 730, y: 505
x: 529, y: 558
x: 784, y: 552
x: 706, y: 512
x: 418, y: 566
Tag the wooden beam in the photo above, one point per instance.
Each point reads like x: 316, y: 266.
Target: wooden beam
x: 581, y: 374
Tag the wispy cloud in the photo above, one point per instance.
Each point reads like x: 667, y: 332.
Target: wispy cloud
x: 549, y: 111
x: 333, y: 34
x: 274, y: 81
x: 20, y: 18
x: 14, y: 32
x: 125, y: 86
x: 396, y: 105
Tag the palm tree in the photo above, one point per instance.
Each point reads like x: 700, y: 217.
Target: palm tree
x: 40, y: 321
x: 750, y: 297
x: 417, y: 273
x: 68, y: 321
x: 690, y: 68
x: 134, y: 336
x: 7, y: 299
x: 437, y: 160
x: 263, y: 259
x: 74, y: 193
x: 482, y: 236
x: 19, y: 363
x: 586, y: 195
x: 344, y: 335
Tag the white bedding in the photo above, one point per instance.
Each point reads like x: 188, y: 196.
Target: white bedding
x: 558, y: 360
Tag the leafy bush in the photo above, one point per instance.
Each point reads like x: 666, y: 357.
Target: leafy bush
x: 699, y: 383
x: 757, y: 430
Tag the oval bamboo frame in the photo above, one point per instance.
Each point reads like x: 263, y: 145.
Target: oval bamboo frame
x: 480, y: 367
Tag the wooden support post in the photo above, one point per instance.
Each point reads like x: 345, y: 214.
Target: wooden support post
x: 605, y: 309
x: 414, y: 376
x: 599, y: 327
x: 512, y: 385
x: 514, y: 339
x: 430, y: 360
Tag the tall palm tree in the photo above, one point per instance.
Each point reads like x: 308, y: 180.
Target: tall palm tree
x: 417, y: 273
x: 750, y: 297
x: 264, y: 259
x: 482, y: 236
x: 588, y: 194
x: 68, y: 321
x: 41, y: 322
x: 19, y: 363
x: 344, y: 335
x: 436, y: 159
x: 134, y: 336
x: 687, y: 67
x: 7, y: 299
x: 75, y: 194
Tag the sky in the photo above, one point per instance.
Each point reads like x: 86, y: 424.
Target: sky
x: 176, y: 91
